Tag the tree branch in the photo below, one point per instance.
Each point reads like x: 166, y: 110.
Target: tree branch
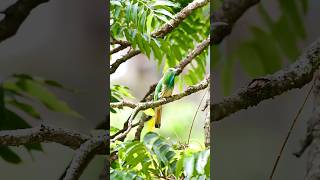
x: 178, y: 18
x: 164, y: 30
x: 15, y: 15
x: 114, y: 66
x: 152, y: 104
x: 83, y: 156
x: 42, y: 133
x: 295, y: 76
x: 229, y: 13
x: 183, y: 63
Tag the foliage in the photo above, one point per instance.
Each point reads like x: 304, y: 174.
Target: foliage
x: 270, y: 45
x: 118, y: 93
x: 134, y: 21
x: 156, y: 157
x: 17, y: 95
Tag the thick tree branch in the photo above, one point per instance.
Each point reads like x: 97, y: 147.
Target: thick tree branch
x: 295, y: 76
x: 164, y: 30
x: 83, y: 156
x: 15, y: 15
x: 42, y: 133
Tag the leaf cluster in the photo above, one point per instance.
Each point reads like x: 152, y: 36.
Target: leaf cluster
x: 156, y: 158
x: 17, y: 97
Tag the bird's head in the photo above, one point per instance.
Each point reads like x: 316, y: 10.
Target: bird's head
x: 172, y: 71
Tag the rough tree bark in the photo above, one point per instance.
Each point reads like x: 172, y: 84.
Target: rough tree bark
x: 313, y: 135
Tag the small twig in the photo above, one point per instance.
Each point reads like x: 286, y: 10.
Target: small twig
x: 116, y: 64
x: 125, y: 132
x: 194, y: 117
x: 141, y: 125
x: 289, y: 132
x: 117, y: 49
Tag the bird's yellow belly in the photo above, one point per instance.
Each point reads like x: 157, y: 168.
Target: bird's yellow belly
x: 166, y: 93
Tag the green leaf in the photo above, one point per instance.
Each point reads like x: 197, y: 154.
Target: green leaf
x: 286, y: 38
x: 145, y: 42
x: 142, y: 22
x: 156, y: 51
x: 9, y: 156
x: 189, y: 163
x: 164, y: 12
x: 34, y: 147
x: 135, y: 13
x: 13, y: 121
x: 164, y: 3
x: 36, y: 90
x: 305, y: 5
x: 28, y: 109
x: 263, y: 44
x: 41, y: 80
x: 179, y: 167
x: 113, y: 130
x: 149, y: 23
x: 162, y: 18
x: 202, y: 161
x: 250, y: 60
x: 116, y: 3
x: 290, y: 9
x: 226, y: 76
x: 128, y: 12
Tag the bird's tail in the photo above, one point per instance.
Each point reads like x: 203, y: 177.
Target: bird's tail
x: 158, y: 116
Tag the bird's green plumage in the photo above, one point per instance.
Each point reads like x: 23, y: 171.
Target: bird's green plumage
x: 163, y: 89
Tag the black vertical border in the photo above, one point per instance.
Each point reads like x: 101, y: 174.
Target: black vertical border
x: 211, y: 88
x: 107, y: 44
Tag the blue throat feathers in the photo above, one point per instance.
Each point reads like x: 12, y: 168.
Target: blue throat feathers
x: 171, y: 82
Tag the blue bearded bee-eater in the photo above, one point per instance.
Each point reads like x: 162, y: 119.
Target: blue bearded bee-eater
x: 163, y: 89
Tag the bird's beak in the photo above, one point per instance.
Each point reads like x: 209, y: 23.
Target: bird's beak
x: 175, y: 71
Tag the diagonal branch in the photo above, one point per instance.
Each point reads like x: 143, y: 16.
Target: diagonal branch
x: 183, y: 63
x: 295, y: 76
x: 178, y: 18
x: 15, y: 15
x: 164, y: 30
x: 114, y: 66
x: 152, y: 104
x: 229, y: 14
x: 83, y: 156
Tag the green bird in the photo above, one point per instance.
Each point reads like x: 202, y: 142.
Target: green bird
x: 163, y: 89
